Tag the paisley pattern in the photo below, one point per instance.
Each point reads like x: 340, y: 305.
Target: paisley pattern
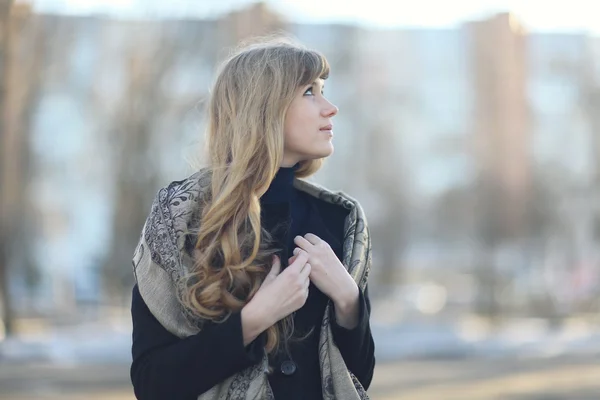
x: 161, y: 260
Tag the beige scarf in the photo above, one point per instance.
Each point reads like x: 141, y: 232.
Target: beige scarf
x: 160, y: 260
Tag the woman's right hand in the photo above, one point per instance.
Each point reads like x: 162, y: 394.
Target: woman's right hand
x: 280, y: 294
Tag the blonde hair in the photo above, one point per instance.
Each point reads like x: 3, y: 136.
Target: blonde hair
x: 249, y: 101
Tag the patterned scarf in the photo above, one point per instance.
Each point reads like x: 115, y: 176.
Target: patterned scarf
x: 161, y: 259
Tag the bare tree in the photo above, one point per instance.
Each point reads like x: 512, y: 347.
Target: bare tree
x: 390, y: 230
x: 19, y: 64
x: 492, y: 229
x: 142, y: 108
x: 589, y: 89
x: 6, y: 198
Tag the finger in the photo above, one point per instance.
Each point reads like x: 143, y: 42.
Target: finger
x: 307, y: 285
x: 313, y: 239
x: 298, y: 264
x: 303, y: 243
x: 305, y: 272
x: 296, y: 250
x: 275, y: 267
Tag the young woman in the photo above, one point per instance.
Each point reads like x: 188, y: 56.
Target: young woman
x: 251, y: 283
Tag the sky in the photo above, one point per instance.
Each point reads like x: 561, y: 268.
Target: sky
x: 536, y: 15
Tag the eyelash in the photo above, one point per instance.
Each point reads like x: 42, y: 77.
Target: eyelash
x: 310, y: 89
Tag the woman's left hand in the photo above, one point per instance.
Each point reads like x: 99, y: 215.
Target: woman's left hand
x: 327, y: 272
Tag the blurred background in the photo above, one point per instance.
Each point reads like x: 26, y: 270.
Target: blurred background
x: 469, y: 130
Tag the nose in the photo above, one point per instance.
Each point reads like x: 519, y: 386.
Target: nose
x: 329, y: 110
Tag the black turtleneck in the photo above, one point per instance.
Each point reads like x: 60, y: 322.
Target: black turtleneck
x: 166, y: 367
x: 285, y: 210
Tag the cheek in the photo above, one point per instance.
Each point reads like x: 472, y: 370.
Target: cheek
x: 293, y: 127
x: 299, y: 132
x: 293, y: 116
x: 293, y: 137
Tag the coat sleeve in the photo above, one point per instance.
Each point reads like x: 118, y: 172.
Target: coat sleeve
x: 167, y: 367
x: 357, y: 345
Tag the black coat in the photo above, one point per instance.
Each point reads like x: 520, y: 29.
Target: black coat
x: 167, y: 367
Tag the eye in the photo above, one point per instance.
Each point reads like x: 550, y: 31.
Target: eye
x: 309, y: 92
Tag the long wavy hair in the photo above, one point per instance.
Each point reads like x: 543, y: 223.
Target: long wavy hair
x: 249, y: 101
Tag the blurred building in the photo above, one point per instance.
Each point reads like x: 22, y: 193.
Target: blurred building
x: 425, y: 116
x: 500, y: 118
x: 256, y: 20
x: 559, y: 80
x: 561, y: 91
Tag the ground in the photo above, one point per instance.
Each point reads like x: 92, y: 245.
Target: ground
x: 556, y: 378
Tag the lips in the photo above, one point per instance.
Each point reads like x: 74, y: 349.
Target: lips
x: 326, y: 127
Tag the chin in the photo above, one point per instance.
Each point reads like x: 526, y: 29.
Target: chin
x: 327, y: 151
x: 324, y: 154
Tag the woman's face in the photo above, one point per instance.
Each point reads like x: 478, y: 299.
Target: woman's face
x: 308, y: 130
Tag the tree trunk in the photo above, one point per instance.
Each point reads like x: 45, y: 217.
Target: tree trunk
x: 7, y: 163
x: 19, y: 72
